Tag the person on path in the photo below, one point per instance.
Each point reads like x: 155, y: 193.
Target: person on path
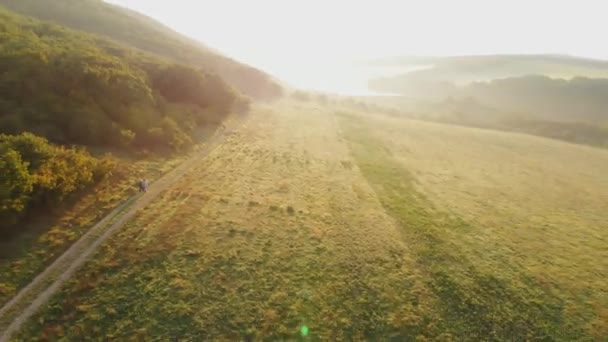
x: 142, y: 185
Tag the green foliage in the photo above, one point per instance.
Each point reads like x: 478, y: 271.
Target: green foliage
x: 75, y: 88
x: 35, y: 242
x: 16, y: 185
x: 144, y: 33
x: 37, y: 173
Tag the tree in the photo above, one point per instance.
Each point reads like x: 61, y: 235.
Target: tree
x: 16, y: 185
x: 74, y: 88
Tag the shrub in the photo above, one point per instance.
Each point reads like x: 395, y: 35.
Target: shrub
x: 34, y: 172
x: 16, y: 185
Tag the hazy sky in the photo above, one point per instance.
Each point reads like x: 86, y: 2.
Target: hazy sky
x: 281, y: 34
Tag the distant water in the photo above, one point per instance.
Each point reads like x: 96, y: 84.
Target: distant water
x: 346, y: 79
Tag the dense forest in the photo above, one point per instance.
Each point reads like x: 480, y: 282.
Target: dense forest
x: 139, y: 31
x: 73, y: 88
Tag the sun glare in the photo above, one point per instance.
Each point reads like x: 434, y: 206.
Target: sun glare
x: 307, y: 43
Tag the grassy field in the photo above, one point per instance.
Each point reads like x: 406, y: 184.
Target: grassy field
x: 510, y: 230
x: 356, y: 228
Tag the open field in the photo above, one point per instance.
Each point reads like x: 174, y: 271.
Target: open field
x: 274, y: 230
x: 357, y: 228
x: 511, y: 229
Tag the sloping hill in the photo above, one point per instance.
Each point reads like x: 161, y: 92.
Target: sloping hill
x: 555, y: 96
x: 578, y: 99
x: 444, y: 75
x: 142, y: 32
x: 77, y: 88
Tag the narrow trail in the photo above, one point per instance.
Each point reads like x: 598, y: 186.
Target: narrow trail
x: 33, y: 296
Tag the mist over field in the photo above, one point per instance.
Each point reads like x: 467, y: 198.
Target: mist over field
x: 303, y: 171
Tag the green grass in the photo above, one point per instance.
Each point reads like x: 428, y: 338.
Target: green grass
x: 474, y: 303
x: 245, y: 247
x: 302, y: 220
x: 46, y: 236
x: 477, y: 300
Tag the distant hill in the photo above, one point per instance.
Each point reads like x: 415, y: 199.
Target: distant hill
x: 555, y: 96
x: 142, y: 32
x: 545, y: 86
x: 466, y: 69
x: 577, y: 99
x: 542, y: 97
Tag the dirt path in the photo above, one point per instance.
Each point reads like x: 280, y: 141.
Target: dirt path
x: 33, y: 296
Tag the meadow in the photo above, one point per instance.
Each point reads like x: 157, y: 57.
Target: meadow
x: 312, y: 224
x: 510, y: 229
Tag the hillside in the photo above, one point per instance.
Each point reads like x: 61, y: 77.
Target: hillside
x: 341, y: 226
x: 137, y: 30
x: 577, y: 99
x: 72, y: 88
x: 75, y: 88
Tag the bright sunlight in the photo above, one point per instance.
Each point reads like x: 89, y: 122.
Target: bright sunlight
x: 313, y: 44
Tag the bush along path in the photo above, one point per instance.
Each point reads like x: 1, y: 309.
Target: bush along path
x: 33, y: 296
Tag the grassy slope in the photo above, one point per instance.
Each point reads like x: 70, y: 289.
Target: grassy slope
x: 275, y: 230
x: 473, y: 113
x: 280, y: 228
x: 513, y: 243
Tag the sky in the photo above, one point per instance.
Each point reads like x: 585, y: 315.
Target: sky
x: 281, y: 35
